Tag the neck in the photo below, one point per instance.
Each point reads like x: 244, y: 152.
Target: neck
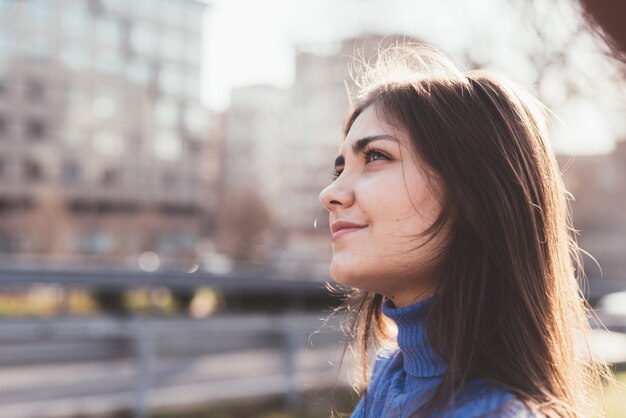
x: 408, y: 298
x: 419, y: 357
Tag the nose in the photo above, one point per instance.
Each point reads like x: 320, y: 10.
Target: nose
x: 336, y: 195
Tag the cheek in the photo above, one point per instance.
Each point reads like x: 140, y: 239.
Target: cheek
x: 397, y: 213
x: 388, y: 247
x: 383, y: 197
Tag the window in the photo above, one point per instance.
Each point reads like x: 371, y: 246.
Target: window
x: 194, y: 52
x: 75, y: 20
x: 3, y: 127
x: 75, y: 56
x: 115, y: 5
x: 169, y: 180
x: 193, y: 85
x: 194, y: 13
x: 196, y: 119
x: 167, y: 146
x: 109, y: 61
x: 172, y: 12
x: 70, y: 172
x: 7, y: 43
x: 104, y: 106
x: 177, y: 241
x: 145, y: 9
x: 166, y: 112
x: 195, y: 148
x: 108, y: 143
x: 171, y: 80
x: 9, y: 242
x: 143, y: 39
x: 139, y: 71
x: 173, y: 45
x: 32, y: 171
x: 97, y: 242
x: 35, y: 129
x: 7, y: 6
x: 34, y: 90
x: 38, y: 12
x: 36, y: 44
x: 95, y: 7
x: 77, y: 104
x: 108, y: 31
x: 109, y: 177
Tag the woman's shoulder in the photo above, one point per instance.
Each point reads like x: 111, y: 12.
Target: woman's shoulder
x: 513, y: 408
x: 480, y: 397
x: 484, y: 399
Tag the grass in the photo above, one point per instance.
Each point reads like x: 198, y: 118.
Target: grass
x: 615, y: 397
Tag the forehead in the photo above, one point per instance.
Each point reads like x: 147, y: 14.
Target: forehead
x: 368, y: 124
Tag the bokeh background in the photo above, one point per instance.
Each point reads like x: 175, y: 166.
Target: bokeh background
x: 162, y: 248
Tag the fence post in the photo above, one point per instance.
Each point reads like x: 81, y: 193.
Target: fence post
x: 291, y: 343
x: 144, y: 346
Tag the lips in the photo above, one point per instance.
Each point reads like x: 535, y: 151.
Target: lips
x: 340, y: 228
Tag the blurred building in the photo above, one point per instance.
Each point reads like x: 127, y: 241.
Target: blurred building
x: 104, y: 145
x: 598, y: 183
x: 256, y: 126
x: 320, y: 102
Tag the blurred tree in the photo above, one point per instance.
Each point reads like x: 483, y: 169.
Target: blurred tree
x: 183, y: 299
x: 607, y: 17
x: 567, y: 57
x: 243, y: 226
x: 49, y: 223
x: 111, y: 301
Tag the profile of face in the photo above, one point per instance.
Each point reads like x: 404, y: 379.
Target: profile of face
x: 379, y: 204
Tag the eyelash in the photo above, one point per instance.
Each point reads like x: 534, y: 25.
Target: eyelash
x: 366, y: 154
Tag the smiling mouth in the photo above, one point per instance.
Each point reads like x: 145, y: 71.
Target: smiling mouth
x: 344, y: 231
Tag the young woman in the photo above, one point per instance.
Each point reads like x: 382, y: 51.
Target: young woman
x: 450, y: 221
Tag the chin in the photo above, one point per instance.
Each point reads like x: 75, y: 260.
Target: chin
x: 341, y: 274
x: 352, y: 276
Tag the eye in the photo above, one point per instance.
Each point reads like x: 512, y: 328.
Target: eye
x: 368, y: 154
x: 371, y: 155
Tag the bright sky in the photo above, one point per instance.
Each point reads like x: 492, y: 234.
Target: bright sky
x: 251, y: 42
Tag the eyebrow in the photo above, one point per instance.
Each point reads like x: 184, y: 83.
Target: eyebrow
x: 361, y: 143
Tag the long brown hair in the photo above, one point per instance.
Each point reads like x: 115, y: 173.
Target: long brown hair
x: 508, y: 306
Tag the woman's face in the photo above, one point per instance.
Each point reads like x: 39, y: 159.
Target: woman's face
x: 379, y: 204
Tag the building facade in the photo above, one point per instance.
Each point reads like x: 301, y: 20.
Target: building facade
x: 102, y: 134
x: 598, y: 185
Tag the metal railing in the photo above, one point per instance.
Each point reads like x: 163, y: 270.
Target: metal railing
x: 158, y: 349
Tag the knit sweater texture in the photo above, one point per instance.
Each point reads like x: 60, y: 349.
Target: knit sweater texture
x: 401, y: 380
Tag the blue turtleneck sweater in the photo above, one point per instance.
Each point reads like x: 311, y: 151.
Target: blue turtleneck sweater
x: 401, y: 381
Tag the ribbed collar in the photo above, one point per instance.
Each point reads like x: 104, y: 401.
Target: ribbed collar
x: 419, y: 358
